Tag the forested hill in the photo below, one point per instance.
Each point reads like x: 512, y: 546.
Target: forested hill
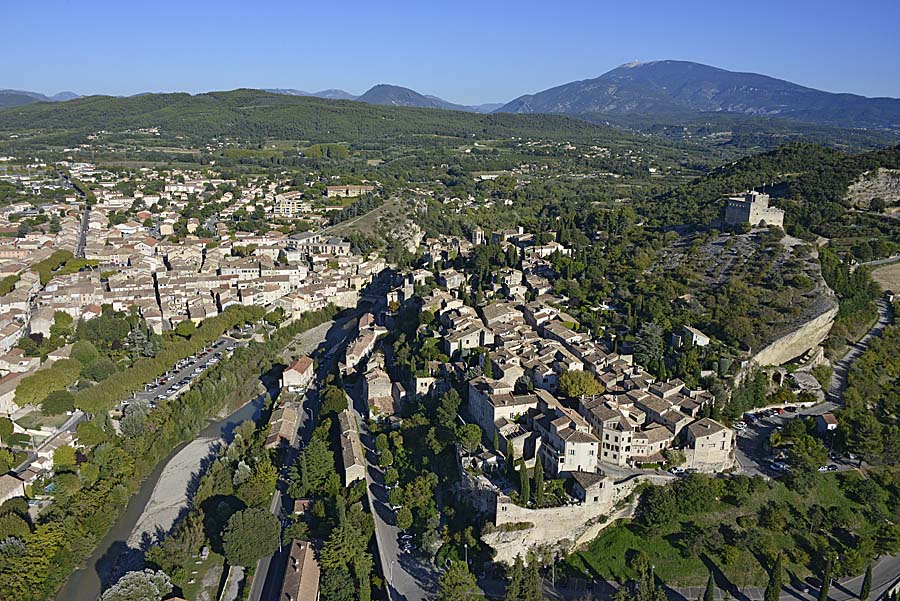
x: 809, y: 180
x: 258, y: 115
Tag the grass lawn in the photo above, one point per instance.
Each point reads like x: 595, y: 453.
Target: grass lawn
x: 725, y: 537
x: 205, y: 585
x: 608, y: 556
x: 36, y: 419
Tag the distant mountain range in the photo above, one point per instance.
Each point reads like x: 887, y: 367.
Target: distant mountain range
x: 642, y: 95
x: 20, y: 97
x: 684, y: 89
x: 332, y: 94
x: 390, y: 95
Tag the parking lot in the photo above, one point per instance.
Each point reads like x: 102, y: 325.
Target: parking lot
x: 182, y: 375
x: 753, y: 432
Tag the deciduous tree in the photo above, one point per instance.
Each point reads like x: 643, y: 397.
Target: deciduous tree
x: 250, y: 535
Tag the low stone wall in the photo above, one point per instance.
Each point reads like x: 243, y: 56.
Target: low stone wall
x: 558, y: 527
x: 699, y: 462
x: 519, y: 529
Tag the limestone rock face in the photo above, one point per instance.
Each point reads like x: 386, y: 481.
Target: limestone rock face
x: 793, y: 344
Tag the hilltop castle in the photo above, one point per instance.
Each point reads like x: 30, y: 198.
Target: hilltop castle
x: 753, y: 208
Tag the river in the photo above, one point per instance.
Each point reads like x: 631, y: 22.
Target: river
x: 113, y: 552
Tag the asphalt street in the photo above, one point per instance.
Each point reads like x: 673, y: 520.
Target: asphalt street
x: 267, y: 579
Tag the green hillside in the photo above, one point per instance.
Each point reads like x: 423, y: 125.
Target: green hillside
x: 256, y: 115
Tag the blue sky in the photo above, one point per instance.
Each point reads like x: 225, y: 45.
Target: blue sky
x: 464, y: 51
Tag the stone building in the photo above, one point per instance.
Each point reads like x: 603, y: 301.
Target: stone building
x: 753, y: 208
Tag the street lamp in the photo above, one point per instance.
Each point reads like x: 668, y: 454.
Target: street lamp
x: 391, y: 579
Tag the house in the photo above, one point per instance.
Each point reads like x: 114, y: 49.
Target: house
x: 283, y: 426
x: 472, y: 335
x: 10, y: 488
x: 299, y: 375
x: 360, y: 348
x: 592, y: 487
x: 497, y: 313
x: 378, y: 391
x: 694, y: 337
x: 352, y: 453
x: 491, y: 400
x: 826, y: 423
x: 451, y: 279
x: 348, y: 191
x: 689, y: 336
x: 301, y: 574
x: 567, y: 445
x: 710, y: 445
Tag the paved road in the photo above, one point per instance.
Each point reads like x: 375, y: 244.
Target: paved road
x: 839, y: 378
x: 750, y: 452
x: 408, y: 577
x: 69, y: 426
x: 885, y: 261
x: 267, y: 579
x: 82, y: 236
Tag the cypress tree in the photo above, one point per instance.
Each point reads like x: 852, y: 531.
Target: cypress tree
x: 776, y: 576
x: 514, y: 591
x: 866, y: 589
x: 524, y: 483
x: 510, y: 462
x: 826, y: 579
x: 533, y: 589
x: 539, y: 482
x: 710, y: 592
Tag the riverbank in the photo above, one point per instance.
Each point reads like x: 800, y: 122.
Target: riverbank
x: 114, y: 555
x: 172, y: 491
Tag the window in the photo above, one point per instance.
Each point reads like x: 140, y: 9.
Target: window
x: 596, y: 499
x: 571, y: 451
x: 562, y: 459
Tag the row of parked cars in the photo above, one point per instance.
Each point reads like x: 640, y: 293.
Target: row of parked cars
x: 168, y: 381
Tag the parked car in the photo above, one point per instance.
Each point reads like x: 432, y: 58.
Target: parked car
x: 677, y: 470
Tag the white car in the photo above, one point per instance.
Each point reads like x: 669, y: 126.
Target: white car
x: 678, y: 471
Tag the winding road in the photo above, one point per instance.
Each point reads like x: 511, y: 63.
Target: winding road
x: 839, y: 377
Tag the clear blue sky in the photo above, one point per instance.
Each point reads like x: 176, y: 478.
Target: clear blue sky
x: 464, y: 51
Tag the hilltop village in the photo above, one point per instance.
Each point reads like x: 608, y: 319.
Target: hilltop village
x: 133, y: 296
